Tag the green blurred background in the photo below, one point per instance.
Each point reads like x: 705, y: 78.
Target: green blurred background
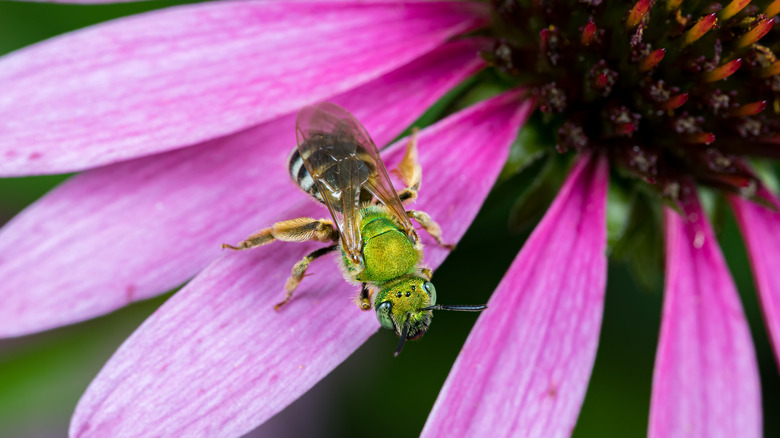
x: 42, y: 376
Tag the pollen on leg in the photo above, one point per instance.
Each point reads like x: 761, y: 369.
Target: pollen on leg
x: 363, y: 300
x: 409, y: 169
x: 430, y: 226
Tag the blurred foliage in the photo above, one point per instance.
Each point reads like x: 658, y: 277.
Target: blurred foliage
x: 42, y: 376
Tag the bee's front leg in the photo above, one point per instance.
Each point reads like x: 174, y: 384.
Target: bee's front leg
x: 364, y: 300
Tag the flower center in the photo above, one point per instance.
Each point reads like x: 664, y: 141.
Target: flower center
x: 669, y: 90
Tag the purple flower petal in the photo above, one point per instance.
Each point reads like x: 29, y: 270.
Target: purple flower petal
x: 129, y: 231
x: 705, y: 382
x: 265, y: 1
x: 761, y: 231
x: 83, y: 2
x: 526, y: 364
x: 86, y: 2
x: 175, y: 77
x: 216, y: 360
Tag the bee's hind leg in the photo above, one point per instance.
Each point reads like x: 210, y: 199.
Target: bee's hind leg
x: 429, y: 225
x: 301, y: 229
x: 299, y: 271
x: 409, y: 170
x: 260, y: 238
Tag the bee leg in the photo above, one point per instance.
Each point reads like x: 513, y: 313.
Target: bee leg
x: 262, y: 237
x: 364, y: 300
x: 407, y: 195
x: 430, y: 226
x: 409, y: 170
x: 301, y: 229
x: 299, y: 271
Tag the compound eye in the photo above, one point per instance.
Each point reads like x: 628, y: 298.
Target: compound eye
x: 428, y: 286
x: 383, y: 315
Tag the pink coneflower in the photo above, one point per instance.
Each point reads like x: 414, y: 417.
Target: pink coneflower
x: 180, y: 121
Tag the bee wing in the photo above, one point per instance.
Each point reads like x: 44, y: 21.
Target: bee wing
x: 344, y: 163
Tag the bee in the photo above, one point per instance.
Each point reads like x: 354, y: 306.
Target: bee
x: 337, y: 163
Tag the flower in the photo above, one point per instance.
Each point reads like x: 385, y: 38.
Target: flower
x: 191, y: 199
x: 524, y: 369
x: 181, y: 119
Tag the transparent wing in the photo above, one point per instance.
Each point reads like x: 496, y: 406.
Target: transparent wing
x: 346, y: 167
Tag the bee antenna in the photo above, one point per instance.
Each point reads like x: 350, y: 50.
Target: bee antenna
x: 404, y: 332
x: 458, y: 307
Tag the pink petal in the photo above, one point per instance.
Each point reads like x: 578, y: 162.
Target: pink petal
x: 526, y: 364
x: 129, y: 231
x: 761, y: 230
x: 175, y: 77
x: 705, y: 382
x: 266, y: 1
x: 84, y: 2
x: 216, y: 360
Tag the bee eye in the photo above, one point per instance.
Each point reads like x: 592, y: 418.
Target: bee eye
x: 428, y: 286
x: 383, y: 315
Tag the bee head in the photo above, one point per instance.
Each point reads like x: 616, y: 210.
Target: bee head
x: 402, y: 306
x: 406, y: 306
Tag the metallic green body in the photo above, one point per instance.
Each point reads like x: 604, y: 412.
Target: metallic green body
x: 391, y: 261
x: 387, y: 251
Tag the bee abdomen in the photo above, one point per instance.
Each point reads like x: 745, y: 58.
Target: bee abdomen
x: 301, y: 176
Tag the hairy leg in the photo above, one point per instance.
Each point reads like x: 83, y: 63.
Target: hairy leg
x: 409, y: 170
x: 364, y: 299
x: 429, y: 225
x: 299, y: 271
x: 301, y: 229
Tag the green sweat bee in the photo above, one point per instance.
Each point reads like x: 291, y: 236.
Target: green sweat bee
x: 337, y: 163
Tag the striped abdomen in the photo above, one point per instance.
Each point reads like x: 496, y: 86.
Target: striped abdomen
x: 336, y: 164
x: 301, y: 176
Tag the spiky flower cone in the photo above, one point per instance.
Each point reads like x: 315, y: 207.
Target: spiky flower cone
x: 668, y: 90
